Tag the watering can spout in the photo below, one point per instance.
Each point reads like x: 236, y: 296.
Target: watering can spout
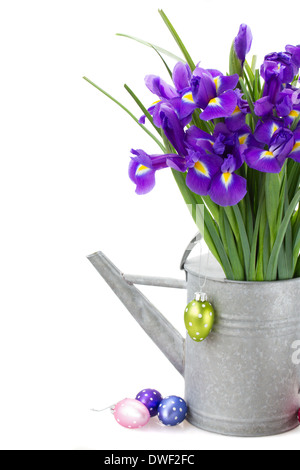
x: 160, y: 330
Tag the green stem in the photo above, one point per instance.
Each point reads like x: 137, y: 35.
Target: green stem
x: 273, y: 262
x: 128, y: 112
x: 177, y: 39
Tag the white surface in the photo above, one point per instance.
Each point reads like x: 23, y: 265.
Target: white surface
x: 66, y: 343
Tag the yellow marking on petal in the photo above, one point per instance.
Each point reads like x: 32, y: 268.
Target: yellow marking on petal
x: 236, y: 111
x: 243, y: 138
x: 214, y: 102
x: 188, y: 97
x: 294, y: 114
x: 155, y: 102
x: 274, y: 128
x: 296, y: 147
x: 216, y: 81
x: 267, y: 155
x: 142, y: 168
x: 227, y: 177
x: 200, y: 167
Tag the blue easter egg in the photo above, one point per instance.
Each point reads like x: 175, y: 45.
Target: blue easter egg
x: 172, y: 411
x: 151, y: 399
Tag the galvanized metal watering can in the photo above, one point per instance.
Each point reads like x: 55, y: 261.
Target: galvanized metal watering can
x: 244, y: 379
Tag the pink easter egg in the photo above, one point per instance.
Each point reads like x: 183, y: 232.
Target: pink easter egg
x: 131, y: 413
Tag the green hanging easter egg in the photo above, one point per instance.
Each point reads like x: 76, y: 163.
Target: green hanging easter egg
x: 199, y: 317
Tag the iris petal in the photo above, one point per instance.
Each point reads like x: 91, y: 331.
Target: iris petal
x: 236, y: 120
x: 143, y: 177
x: 182, y: 76
x: 263, y: 106
x: 199, y: 177
x: 228, y: 189
x: 198, y: 181
x: 262, y: 160
x: 160, y: 88
x: 172, y: 128
x: 265, y: 131
x: 222, y: 106
x: 203, y: 87
x: 225, y: 83
x: 295, y: 153
x: 199, y: 140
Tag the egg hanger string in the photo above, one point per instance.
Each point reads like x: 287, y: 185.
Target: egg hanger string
x: 200, y: 294
x: 111, y: 408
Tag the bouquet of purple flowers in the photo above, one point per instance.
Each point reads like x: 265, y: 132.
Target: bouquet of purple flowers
x: 233, y: 144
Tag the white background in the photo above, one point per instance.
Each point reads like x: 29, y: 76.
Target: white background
x: 66, y: 342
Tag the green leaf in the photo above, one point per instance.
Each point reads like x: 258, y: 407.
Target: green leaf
x: 157, y: 48
x: 238, y: 270
x: 261, y: 257
x: 254, y: 244
x: 282, y: 265
x: 296, y: 249
x: 244, y: 239
x: 253, y: 63
x: 272, y: 191
x: 295, y: 123
x: 232, y: 220
x: 288, y: 243
x: 273, y: 262
x: 249, y: 218
x: 234, y: 63
x: 248, y: 98
x: 211, y: 235
x: 128, y: 112
x: 249, y: 71
x: 222, y: 231
x: 177, y: 39
x: 164, y: 62
x: 212, y: 207
x: 293, y: 170
x: 192, y: 203
x: 297, y: 269
x: 266, y: 250
x: 142, y: 107
x: 218, y: 244
x: 256, y: 87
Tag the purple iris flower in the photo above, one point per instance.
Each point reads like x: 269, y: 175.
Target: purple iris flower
x: 280, y: 65
x: 288, y: 105
x: 265, y: 105
x: 243, y: 42
x: 238, y: 118
x: 172, y: 127
x: 182, y: 75
x: 179, y: 96
x: 295, y: 52
x: 279, y: 143
x: 214, y: 94
x: 227, y: 188
x: 219, y: 156
x: 202, y: 169
x: 143, y: 167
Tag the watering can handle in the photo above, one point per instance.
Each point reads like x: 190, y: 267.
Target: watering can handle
x: 197, y: 239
